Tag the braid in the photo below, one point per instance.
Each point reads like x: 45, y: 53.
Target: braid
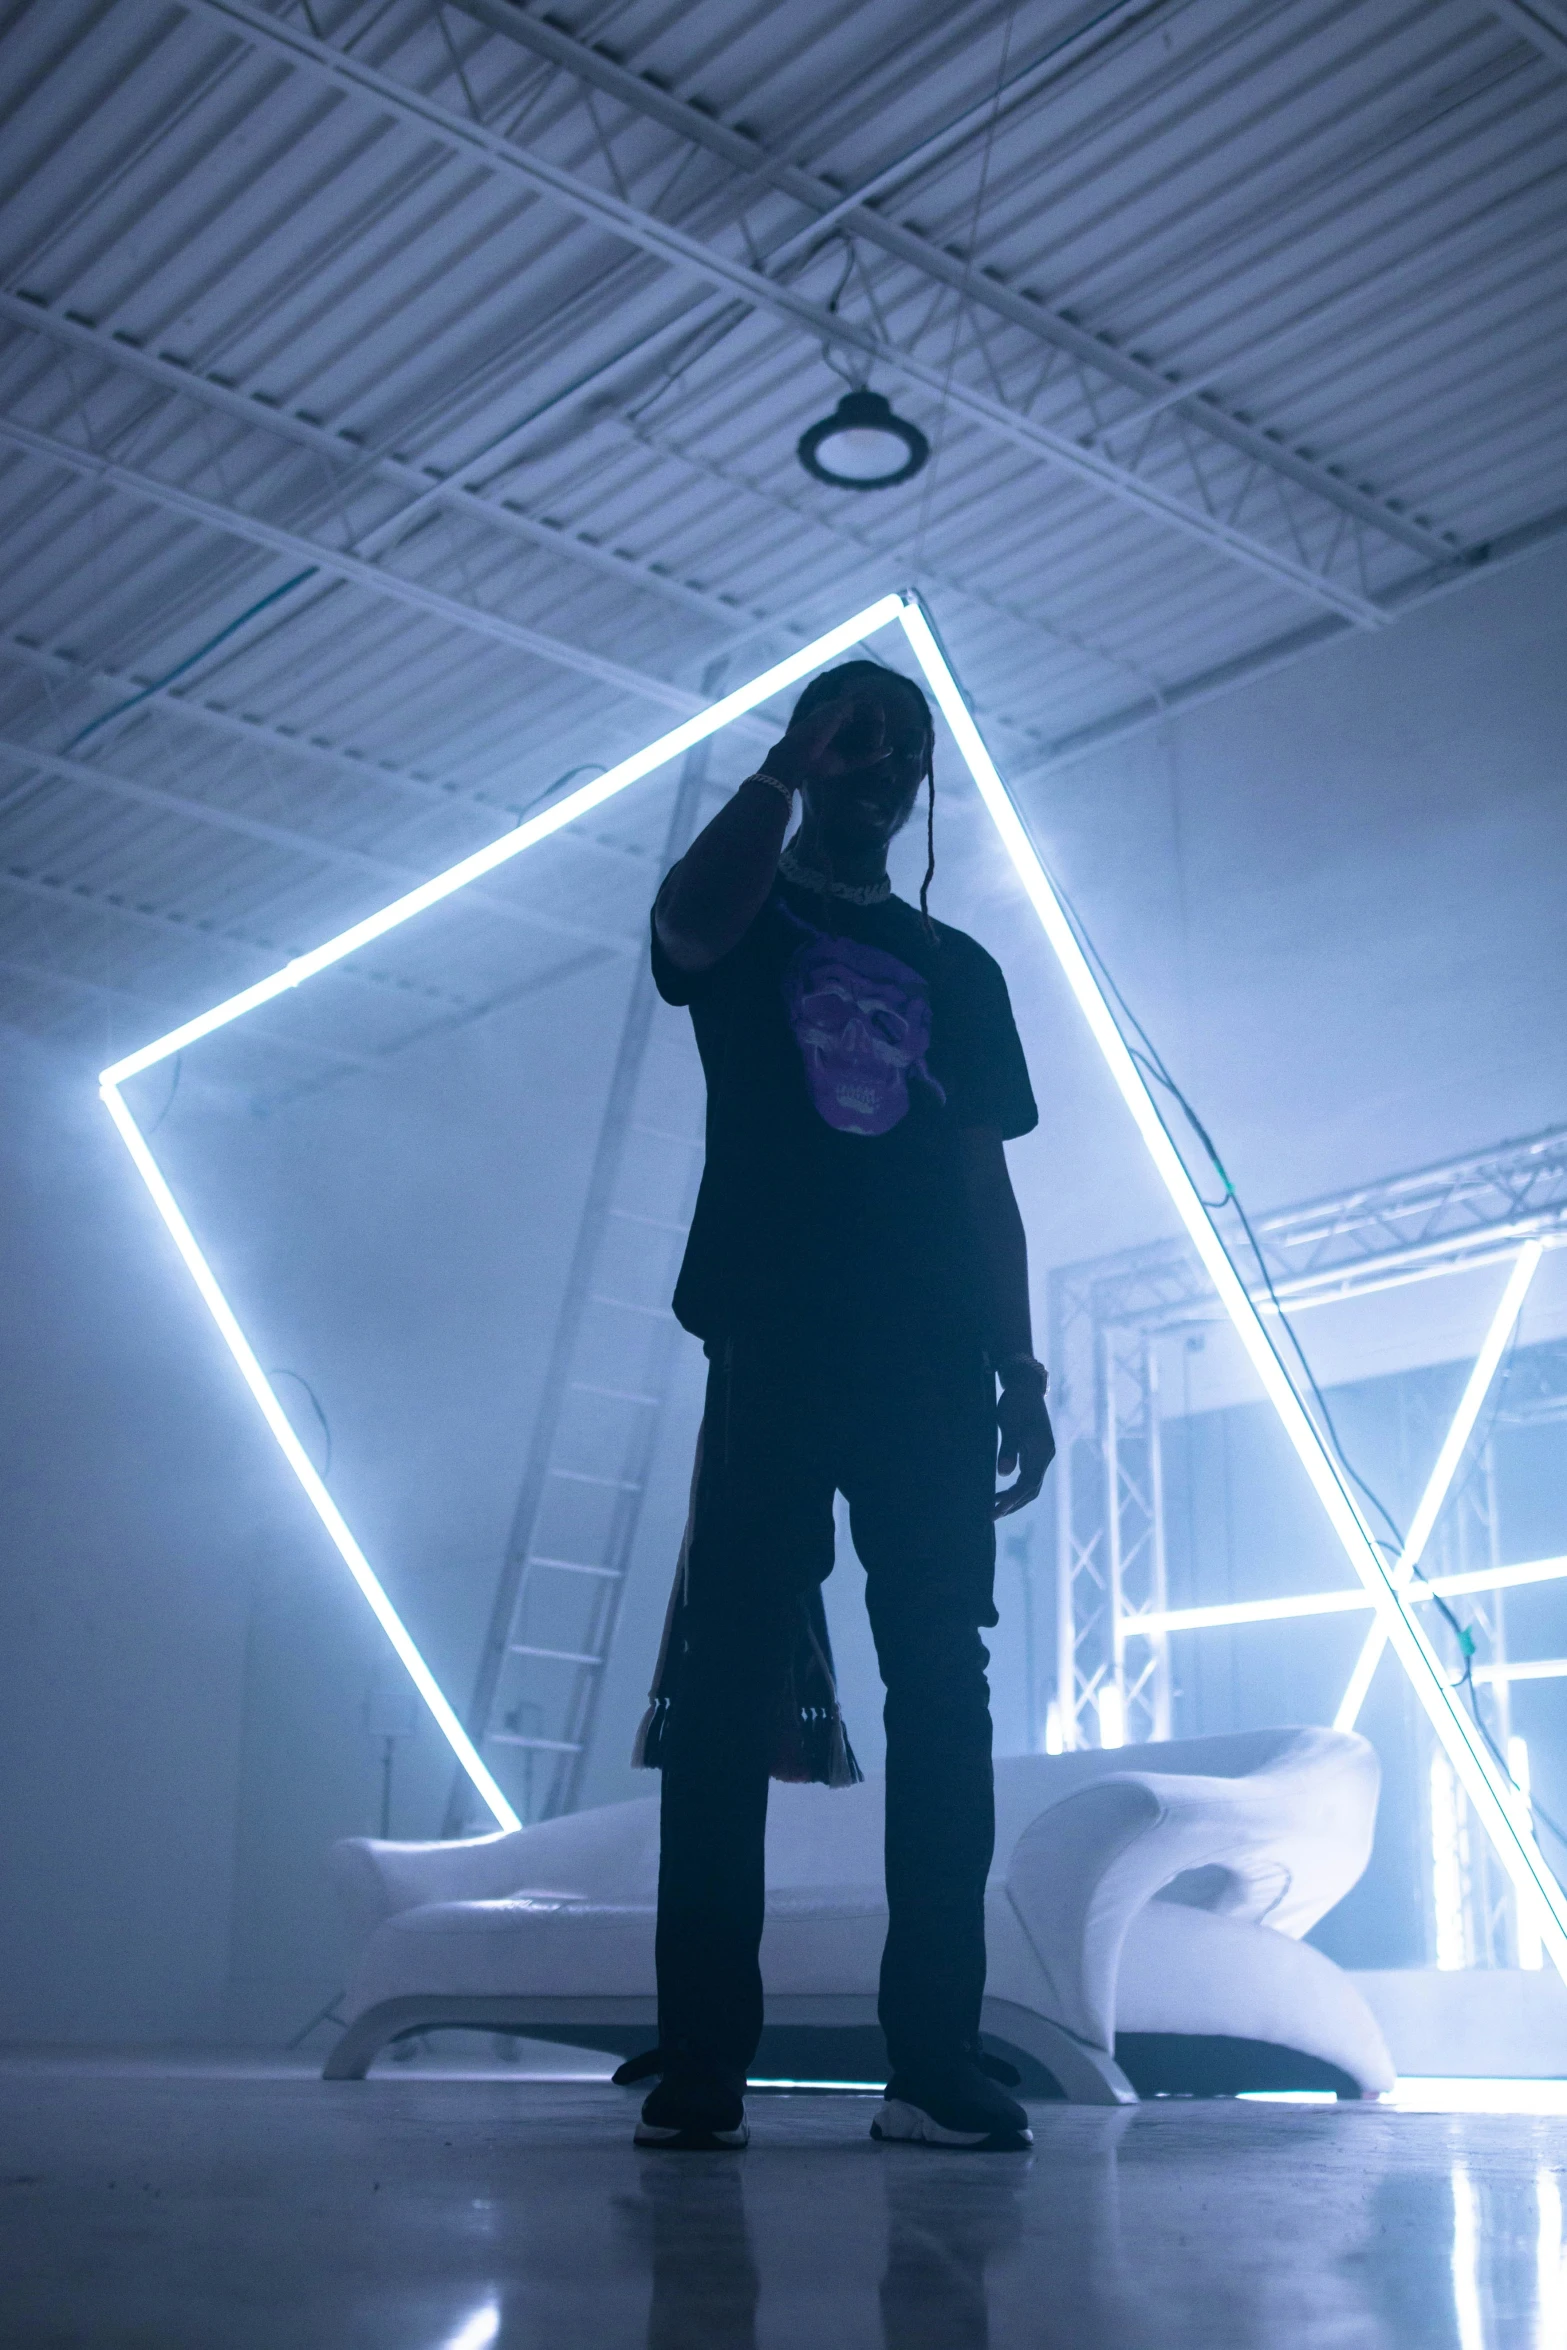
x: 930, y: 843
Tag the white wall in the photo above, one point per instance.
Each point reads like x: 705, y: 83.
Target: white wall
x: 1335, y: 900
x: 1333, y: 897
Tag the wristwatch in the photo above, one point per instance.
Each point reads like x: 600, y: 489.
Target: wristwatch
x: 1023, y: 1366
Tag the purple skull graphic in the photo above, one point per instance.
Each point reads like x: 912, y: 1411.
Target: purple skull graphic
x: 862, y: 1022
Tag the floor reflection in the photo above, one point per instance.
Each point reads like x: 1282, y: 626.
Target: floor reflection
x: 948, y: 2218
x: 183, y: 2209
x: 691, y: 2213
x: 1507, y: 2280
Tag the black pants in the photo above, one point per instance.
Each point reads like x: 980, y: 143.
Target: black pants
x: 908, y: 1435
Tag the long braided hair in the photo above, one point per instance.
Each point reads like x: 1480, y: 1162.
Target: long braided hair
x: 850, y: 676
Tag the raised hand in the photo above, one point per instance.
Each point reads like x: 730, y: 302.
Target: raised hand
x: 832, y: 739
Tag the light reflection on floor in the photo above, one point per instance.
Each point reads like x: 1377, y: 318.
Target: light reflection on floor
x: 201, y: 2201
x: 1440, y: 2093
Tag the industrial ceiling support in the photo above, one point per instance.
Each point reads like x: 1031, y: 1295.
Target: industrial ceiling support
x: 356, y: 465
x: 833, y: 209
x: 353, y: 569
x: 359, y: 464
x: 1266, y: 660
x: 1539, y: 23
x: 1318, y: 547
x: 450, y: 1012
x: 1104, y: 1317
x: 304, y: 844
x: 116, y: 912
x: 105, y: 991
x: 243, y: 726
x: 739, y: 622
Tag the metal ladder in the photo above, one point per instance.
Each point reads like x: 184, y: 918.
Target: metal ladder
x: 564, y: 1571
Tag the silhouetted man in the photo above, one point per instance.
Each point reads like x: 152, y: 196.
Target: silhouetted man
x: 858, y: 1272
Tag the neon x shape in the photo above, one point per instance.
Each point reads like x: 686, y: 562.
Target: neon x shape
x: 1497, y: 1806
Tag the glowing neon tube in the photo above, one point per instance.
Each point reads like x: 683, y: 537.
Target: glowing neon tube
x: 1286, y: 1609
x: 299, y: 1460
x: 1476, y: 1388
x: 1496, y: 1804
x: 1498, y: 1808
x: 588, y: 796
x: 511, y: 844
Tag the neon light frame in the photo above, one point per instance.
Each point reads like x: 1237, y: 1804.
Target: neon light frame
x: 1429, y: 1509
x: 1496, y: 1804
x: 1155, y: 1624
x: 1347, y: 1599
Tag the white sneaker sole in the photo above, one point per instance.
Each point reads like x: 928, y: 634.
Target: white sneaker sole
x: 910, y: 2125
x: 696, y: 2141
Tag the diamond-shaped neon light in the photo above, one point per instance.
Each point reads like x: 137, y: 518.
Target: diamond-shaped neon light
x: 1497, y: 1805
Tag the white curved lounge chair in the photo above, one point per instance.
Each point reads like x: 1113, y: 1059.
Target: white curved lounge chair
x: 1143, y: 1924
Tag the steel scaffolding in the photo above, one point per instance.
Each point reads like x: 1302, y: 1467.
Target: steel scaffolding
x: 1105, y: 1317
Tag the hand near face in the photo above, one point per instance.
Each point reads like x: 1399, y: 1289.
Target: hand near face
x: 835, y: 738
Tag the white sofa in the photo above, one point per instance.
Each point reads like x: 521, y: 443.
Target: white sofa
x: 1143, y: 1922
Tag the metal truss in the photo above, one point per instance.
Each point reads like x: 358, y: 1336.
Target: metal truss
x: 1128, y: 401
x: 479, y: 494
x: 1001, y: 361
x: 351, y: 468
x: 50, y: 975
x: 263, y: 736
x: 318, y: 556
x: 446, y: 1011
x: 1539, y: 23
x: 118, y: 913
x: 1104, y: 1318
x: 1134, y: 1527
x: 278, y: 836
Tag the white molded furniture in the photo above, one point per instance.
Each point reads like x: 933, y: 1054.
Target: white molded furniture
x: 1145, y: 1903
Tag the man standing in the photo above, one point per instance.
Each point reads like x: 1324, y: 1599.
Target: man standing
x: 858, y: 1271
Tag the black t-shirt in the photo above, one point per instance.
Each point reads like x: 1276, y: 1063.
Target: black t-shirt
x: 844, y: 1049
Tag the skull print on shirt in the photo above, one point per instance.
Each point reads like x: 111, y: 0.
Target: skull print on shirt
x: 862, y: 1022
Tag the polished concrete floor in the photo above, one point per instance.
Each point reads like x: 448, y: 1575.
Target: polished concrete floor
x: 153, y: 2205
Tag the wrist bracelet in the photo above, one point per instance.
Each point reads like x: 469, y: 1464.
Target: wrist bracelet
x: 773, y: 782
x: 1030, y: 1364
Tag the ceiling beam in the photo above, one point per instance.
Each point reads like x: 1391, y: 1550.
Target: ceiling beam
x: 476, y: 143
x: 1538, y: 22
x: 45, y: 974
x: 1154, y: 391
x: 353, y: 569
x: 278, y: 836
x: 455, y: 495
x: 336, y: 564
x: 112, y: 351
x: 195, y: 931
x: 262, y: 735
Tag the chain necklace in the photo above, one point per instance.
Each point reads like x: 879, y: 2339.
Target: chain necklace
x: 855, y: 893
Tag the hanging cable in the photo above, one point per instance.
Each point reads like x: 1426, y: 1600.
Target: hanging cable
x: 133, y: 701
x: 315, y: 1404
x: 1151, y: 1061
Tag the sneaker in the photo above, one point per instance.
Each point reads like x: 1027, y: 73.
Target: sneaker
x: 696, y: 2108
x: 956, y: 2104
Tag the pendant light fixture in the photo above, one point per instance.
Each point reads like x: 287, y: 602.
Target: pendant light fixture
x: 863, y: 445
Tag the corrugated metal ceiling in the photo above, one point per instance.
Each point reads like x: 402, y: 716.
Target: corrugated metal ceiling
x: 448, y: 364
